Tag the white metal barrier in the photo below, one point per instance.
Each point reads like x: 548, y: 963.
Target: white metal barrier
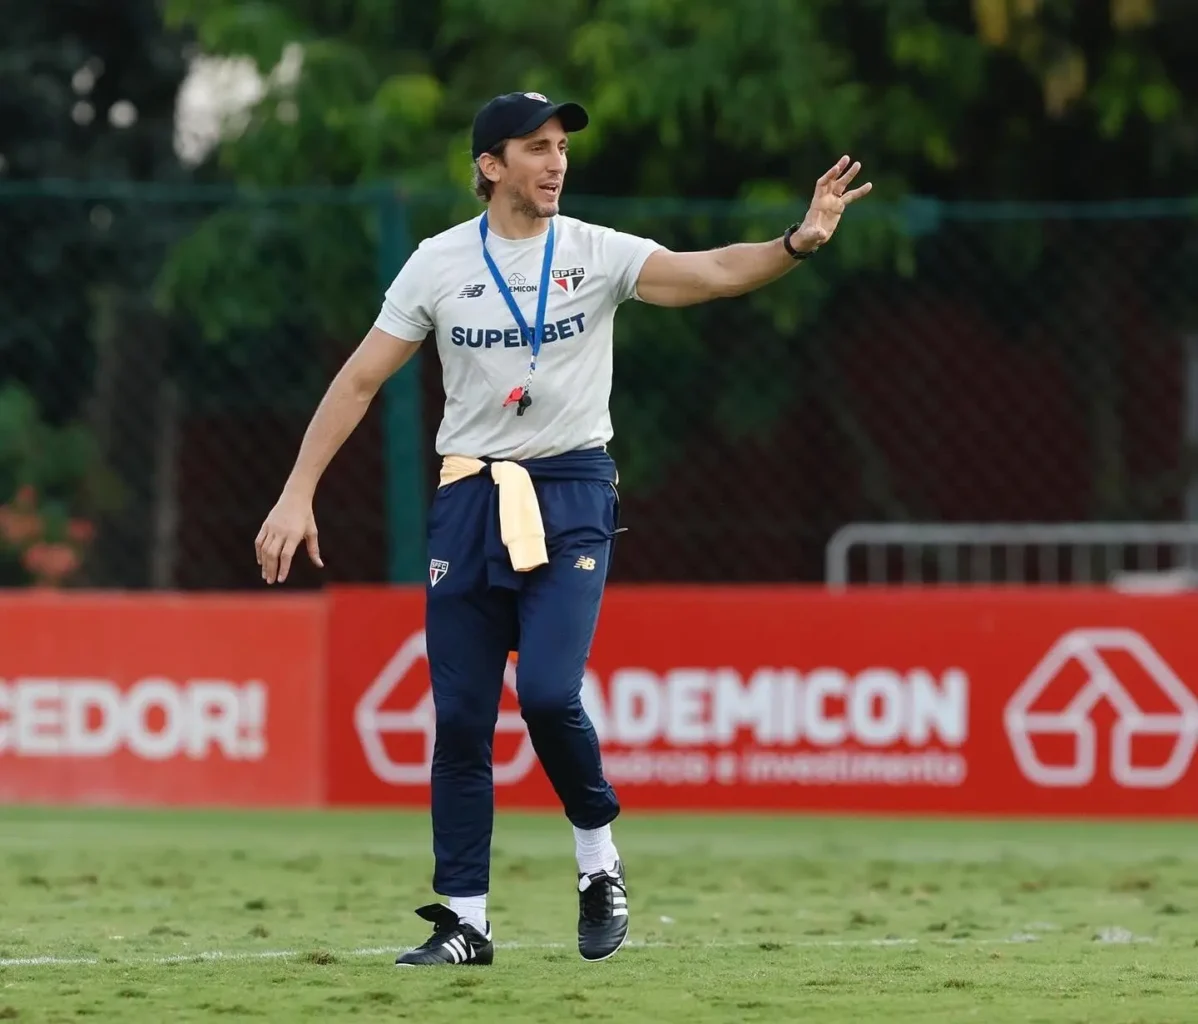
x: 1163, y: 555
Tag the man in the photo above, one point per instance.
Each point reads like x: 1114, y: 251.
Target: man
x: 520, y: 532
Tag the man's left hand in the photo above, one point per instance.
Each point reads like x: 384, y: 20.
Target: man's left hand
x: 828, y: 203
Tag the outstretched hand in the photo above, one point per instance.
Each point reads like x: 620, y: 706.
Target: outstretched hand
x: 828, y: 203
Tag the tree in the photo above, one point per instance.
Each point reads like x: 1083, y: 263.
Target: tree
x: 710, y: 122
x: 87, y: 94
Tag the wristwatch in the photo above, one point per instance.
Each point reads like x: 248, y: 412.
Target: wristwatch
x: 794, y: 253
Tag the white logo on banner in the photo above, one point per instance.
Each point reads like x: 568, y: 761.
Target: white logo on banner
x: 1089, y: 649
x: 154, y: 719
x: 375, y: 724
x: 689, y: 726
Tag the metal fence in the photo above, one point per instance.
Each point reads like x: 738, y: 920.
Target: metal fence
x: 163, y: 349
x: 1140, y: 555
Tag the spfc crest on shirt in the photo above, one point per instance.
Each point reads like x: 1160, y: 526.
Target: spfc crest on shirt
x: 568, y: 280
x: 437, y: 568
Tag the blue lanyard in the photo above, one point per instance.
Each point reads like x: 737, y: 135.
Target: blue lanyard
x: 521, y: 395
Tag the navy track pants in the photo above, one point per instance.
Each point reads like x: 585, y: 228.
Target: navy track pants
x: 478, y: 610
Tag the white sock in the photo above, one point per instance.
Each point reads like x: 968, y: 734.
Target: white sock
x: 471, y: 909
x: 595, y: 850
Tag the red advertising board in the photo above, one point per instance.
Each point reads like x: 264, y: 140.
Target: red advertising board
x: 982, y: 702
x: 977, y: 701
x: 161, y: 699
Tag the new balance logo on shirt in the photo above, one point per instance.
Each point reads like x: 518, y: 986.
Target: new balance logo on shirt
x: 472, y: 291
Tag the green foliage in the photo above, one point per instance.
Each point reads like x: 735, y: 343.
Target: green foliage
x: 251, y: 268
x: 63, y: 69
x: 59, y: 462
x: 52, y: 482
x: 696, y: 99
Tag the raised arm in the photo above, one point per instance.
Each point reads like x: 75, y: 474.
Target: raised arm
x: 686, y: 278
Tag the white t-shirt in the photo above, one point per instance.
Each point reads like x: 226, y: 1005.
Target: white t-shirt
x: 446, y: 287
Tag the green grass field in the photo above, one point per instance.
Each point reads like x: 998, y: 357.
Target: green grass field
x: 151, y: 917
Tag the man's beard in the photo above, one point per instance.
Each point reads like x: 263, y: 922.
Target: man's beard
x: 525, y: 206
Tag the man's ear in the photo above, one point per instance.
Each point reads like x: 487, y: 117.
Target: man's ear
x: 489, y: 164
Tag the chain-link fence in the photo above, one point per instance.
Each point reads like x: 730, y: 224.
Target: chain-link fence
x: 163, y: 351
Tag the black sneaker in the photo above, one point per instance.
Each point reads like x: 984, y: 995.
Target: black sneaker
x: 602, y: 913
x: 453, y: 941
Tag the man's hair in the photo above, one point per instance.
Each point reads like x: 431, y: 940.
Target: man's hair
x: 484, y: 186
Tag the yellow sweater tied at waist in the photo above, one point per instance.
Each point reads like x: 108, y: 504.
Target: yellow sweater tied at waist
x: 520, y: 524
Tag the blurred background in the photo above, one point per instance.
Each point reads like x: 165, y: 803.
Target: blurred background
x: 990, y: 375
x: 201, y: 202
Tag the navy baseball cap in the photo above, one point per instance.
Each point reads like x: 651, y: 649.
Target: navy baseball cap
x: 518, y: 113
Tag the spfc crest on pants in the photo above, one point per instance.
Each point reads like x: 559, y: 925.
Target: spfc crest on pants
x: 436, y: 570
